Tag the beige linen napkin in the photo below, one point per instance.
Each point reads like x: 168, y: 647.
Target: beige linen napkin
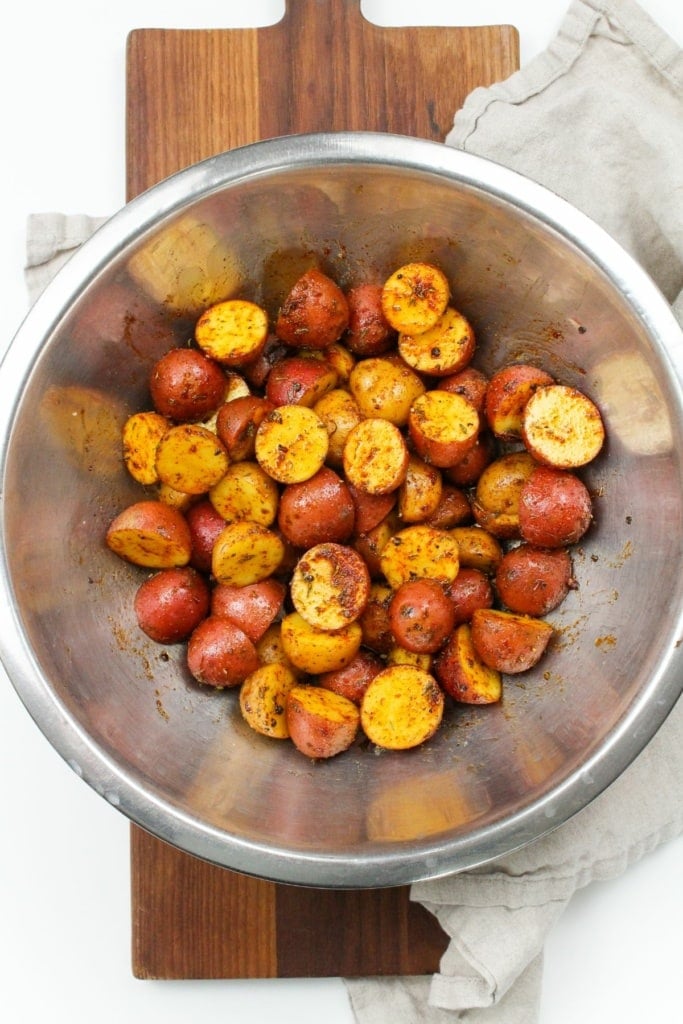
x: 598, y: 118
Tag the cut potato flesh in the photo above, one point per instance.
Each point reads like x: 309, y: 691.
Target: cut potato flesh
x: 420, y: 552
x: 414, y: 297
x: 402, y: 707
x: 462, y: 673
x: 141, y: 435
x: 263, y: 699
x: 318, y: 650
x: 375, y: 456
x: 330, y: 586
x: 191, y: 459
x: 232, y: 332
x: 420, y: 493
x: 443, y: 426
x: 445, y: 348
x: 246, y: 492
x: 246, y: 553
x: 477, y: 548
x: 151, y: 534
x: 321, y: 723
x: 562, y: 427
x: 291, y: 444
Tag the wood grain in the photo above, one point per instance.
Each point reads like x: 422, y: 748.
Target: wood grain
x: 190, y: 95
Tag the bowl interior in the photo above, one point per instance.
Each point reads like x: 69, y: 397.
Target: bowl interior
x: 178, y: 758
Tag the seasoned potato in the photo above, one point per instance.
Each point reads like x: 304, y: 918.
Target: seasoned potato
x: 315, y: 313
x: 471, y: 589
x: 270, y: 649
x: 219, y: 654
x: 190, y: 458
x: 253, y: 607
x: 369, y: 332
x: 402, y: 656
x: 150, y: 534
x: 300, y: 380
x: 232, y: 332
x: 339, y: 357
x: 371, y: 544
x: 245, y: 553
x: 508, y: 392
x: 469, y: 468
x: 471, y: 383
x: 318, y: 650
x: 263, y: 699
x: 316, y: 510
x: 462, y: 673
x: 533, y: 581
x: 385, y: 388
x: 141, y: 435
x: 257, y: 371
x: 420, y: 493
x: 403, y: 707
x: 477, y: 548
x: 562, y: 427
x: 496, y: 498
x: 237, y: 422
x: 414, y: 297
x: 320, y: 723
x: 443, y: 427
x: 421, y: 616
x: 555, y: 508
x: 376, y: 456
x: 453, y: 509
x: 420, y: 552
x: 353, y: 680
x: 509, y: 642
x: 171, y: 604
x: 330, y: 586
x: 339, y: 411
x: 443, y: 349
x: 374, y: 622
x: 245, y: 491
x: 186, y: 386
x: 205, y: 524
x: 371, y: 509
x: 178, y: 500
x: 291, y: 444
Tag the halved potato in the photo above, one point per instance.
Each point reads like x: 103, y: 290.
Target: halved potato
x: 245, y: 553
x: 496, y: 498
x: 318, y: 650
x: 463, y: 674
x: 414, y: 297
x: 508, y: 391
x: 562, y: 427
x: 141, y: 435
x: 263, y: 699
x: 443, y: 427
x: 314, y: 314
x: 385, y: 388
x: 420, y: 552
x: 190, y: 458
x: 245, y: 491
x: 444, y: 349
x: 402, y: 707
x: 150, y: 534
x: 330, y: 586
x: 477, y: 548
x: 320, y: 723
x: 340, y: 413
x: 232, y: 332
x: 291, y: 444
x: 375, y: 456
x: 420, y: 493
x: 509, y: 642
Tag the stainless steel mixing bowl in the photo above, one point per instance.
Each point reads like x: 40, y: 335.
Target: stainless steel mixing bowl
x: 540, y: 282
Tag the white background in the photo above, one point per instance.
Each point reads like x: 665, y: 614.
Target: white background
x: 64, y: 876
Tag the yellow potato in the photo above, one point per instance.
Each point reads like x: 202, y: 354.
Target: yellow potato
x: 385, y: 388
x: 445, y: 348
x: 562, y: 427
x: 263, y: 699
x: 245, y: 553
x: 291, y: 444
x: 477, y: 548
x: 340, y: 413
x: 232, y: 332
x: 420, y: 493
x: 420, y: 552
x: 375, y: 456
x: 190, y: 458
x: 141, y: 435
x: 414, y: 297
x: 330, y: 586
x: 245, y: 491
x: 317, y: 650
x: 402, y: 707
x: 321, y: 723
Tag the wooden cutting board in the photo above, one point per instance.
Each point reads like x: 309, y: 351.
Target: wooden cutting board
x: 192, y: 94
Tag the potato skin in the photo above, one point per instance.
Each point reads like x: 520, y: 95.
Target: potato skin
x: 534, y: 581
x: 220, y: 654
x: 353, y: 679
x: 321, y: 723
x: 205, y: 525
x: 421, y: 616
x: 171, y: 604
x: 471, y: 589
x: 315, y: 313
x: 237, y: 422
x: 509, y: 389
x: 253, y: 607
x: 369, y: 333
x: 461, y: 672
x: 509, y: 642
x: 300, y: 380
x: 316, y: 510
x: 470, y: 383
x: 555, y: 508
x: 185, y: 385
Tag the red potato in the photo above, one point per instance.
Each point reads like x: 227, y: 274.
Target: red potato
x: 443, y: 427
x: 444, y: 349
x: 533, y: 581
x: 370, y: 509
x: 562, y: 427
x: 315, y: 313
x: 205, y: 525
x: 220, y: 654
x: 353, y: 679
x: 232, y: 332
x: 186, y: 385
x: 256, y: 371
x: 316, y: 510
x: 370, y: 545
x: 508, y: 392
x: 470, y: 383
x: 151, y: 534
x: 421, y: 616
x: 555, y: 508
x: 376, y: 456
x: 253, y: 607
x: 368, y: 333
x: 508, y: 642
x: 374, y: 622
x: 237, y: 422
x: 330, y: 586
x: 321, y: 723
x: 467, y: 471
x: 454, y: 509
x: 339, y: 412
x: 496, y: 498
x: 471, y: 589
x: 300, y: 380
x: 462, y: 674
x: 171, y: 604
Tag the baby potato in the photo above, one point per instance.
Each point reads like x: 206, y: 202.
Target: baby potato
x: 462, y: 673
x: 245, y: 491
x: 171, y: 604
x: 374, y: 621
x: 508, y: 392
x: 245, y: 553
x: 421, y: 616
x: 232, y: 332
x: 353, y: 680
x: 402, y: 707
x: 291, y: 444
x: 339, y: 411
x: 316, y: 510
x: 369, y: 332
x: 205, y: 524
x: 420, y: 552
x: 330, y: 586
x: 237, y: 422
x: 402, y: 656
x: 477, y: 548
x: 190, y: 458
x: 219, y: 653
x: 175, y: 499
x: 150, y: 534
x: 555, y: 508
x: 316, y: 650
x: 300, y: 380
x: 420, y: 493
x: 471, y: 383
x: 186, y: 386
x: 270, y: 649
x: 263, y: 699
x: 371, y: 544
x: 314, y: 314
x: 443, y: 427
x: 443, y: 349
x: 376, y: 456
x: 471, y: 589
x: 508, y: 642
x: 253, y: 607
x: 453, y: 509
x: 533, y: 581
x: 385, y: 388
x: 562, y: 427
x: 339, y: 357
x: 469, y: 468
x: 141, y: 435
x: 496, y: 497
x: 321, y: 723
x: 370, y: 509
x: 414, y: 297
